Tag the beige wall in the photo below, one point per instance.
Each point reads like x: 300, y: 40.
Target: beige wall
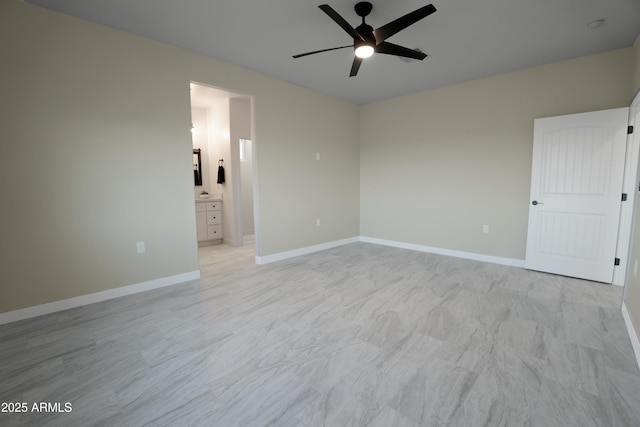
x: 438, y: 165
x: 95, y: 155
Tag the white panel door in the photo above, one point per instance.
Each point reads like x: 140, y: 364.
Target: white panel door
x: 576, y: 190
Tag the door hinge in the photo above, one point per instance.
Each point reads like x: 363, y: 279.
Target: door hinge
x: 616, y: 261
x: 624, y: 197
x: 629, y: 130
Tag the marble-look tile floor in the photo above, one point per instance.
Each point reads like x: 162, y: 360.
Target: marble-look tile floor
x: 360, y: 335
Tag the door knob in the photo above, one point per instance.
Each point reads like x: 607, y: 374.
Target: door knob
x: 535, y: 203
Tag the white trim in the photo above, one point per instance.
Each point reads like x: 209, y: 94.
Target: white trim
x: 634, y: 119
x: 422, y: 248
x: 448, y: 252
x: 254, y: 178
x: 304, y: 251
x: 65, y: 304
x: 234, y: 242
x: 625, y: 229
x: 633, y: 335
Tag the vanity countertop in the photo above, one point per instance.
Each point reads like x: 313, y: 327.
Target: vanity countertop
x: 211, y: 199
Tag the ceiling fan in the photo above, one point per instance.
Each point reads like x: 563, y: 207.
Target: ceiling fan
x: 366, y: 40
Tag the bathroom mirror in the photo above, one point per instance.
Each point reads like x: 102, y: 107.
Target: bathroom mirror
x: 197, y: 167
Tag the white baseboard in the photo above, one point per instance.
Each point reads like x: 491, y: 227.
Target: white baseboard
x: 633, y: 335
x: 65, y: 304
x: 304, y: 251
x: 459, y: 254
x: 448, y: 252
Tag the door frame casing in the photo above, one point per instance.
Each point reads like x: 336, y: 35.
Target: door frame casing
x: 630, y: 183
x: 631, y: 187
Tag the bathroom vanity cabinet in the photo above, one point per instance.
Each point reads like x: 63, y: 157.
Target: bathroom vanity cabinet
x: 209, y: 221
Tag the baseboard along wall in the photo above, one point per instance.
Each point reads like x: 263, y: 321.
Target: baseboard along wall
x: 66, y: 304
x: 633, y: 334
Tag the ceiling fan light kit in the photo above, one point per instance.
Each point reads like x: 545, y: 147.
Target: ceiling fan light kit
x: 364, y: 50
x: 367, y: 41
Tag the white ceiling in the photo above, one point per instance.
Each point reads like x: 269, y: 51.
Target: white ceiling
x: 465, y: 39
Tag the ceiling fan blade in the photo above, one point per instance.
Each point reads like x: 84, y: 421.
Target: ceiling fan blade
x: 320, y: 51
x: 403, y: 22
x: 341, y: 21
x: 355, y: 66
x: 394, y: 49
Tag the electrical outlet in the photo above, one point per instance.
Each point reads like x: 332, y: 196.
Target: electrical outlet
x: 318, y: 222
x: 485, y: 228
x: 140, y: 247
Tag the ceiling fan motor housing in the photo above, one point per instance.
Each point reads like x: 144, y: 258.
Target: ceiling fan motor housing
x: 363, y: 8
x: 366, y: 31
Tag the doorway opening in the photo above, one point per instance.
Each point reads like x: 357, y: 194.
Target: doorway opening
x: 225, y: 192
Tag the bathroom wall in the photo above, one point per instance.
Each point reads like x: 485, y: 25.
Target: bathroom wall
x: 246, y: 176
x: 218, y: 137
x: 240, y: 115
x: 200, y: 138
x: 210, y: 135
